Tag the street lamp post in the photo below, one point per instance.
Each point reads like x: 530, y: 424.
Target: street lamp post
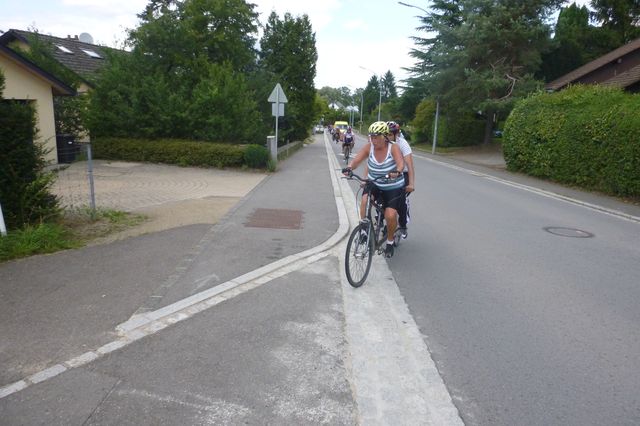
x: 379, y: 85
x: 361, y: 105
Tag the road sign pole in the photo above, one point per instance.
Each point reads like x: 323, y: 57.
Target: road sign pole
x: 277, y: 115
x: 3, y: 228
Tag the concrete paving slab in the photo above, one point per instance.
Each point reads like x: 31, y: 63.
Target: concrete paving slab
x: 275, y: 355
x: 58, y: 306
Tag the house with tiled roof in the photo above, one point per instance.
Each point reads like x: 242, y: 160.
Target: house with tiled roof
x: 27, y: 82
x: 77, y: 54
x: 620, y: 67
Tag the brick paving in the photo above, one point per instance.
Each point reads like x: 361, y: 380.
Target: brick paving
x: 132, y: 186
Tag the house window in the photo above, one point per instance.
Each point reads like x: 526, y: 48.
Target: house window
x: 64, y: 49
x: 91, y: 53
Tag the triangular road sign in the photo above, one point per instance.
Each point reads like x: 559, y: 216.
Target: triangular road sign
x: 277, y: 95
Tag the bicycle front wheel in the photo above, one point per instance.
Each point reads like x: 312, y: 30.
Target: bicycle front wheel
x: 359, y: 253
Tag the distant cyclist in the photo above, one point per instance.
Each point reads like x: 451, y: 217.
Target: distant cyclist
x: 336, y: 134
x: 348, y: 139
x: 383, y: 159
x: 409, y: 173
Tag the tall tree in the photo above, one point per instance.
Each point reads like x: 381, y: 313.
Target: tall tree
x: 288, y: 50
x: 185, y: 76
x: 389, y: 90
x: 177, y: 31
x: 484, y: 52
x: 371, y: 95
x: 575, y: 43
x: 621, y: 17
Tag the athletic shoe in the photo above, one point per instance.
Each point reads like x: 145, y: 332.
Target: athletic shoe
x: 404, y: 233
x: 388, y: 250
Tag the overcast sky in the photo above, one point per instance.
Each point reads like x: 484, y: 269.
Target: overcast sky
x: 350, y: 34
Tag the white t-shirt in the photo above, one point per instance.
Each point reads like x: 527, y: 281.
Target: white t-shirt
x: 404, y: 148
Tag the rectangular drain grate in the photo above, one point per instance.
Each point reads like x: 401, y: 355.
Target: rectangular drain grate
x: 275, y: 218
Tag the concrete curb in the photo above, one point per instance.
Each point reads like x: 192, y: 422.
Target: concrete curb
x: 143, y: 325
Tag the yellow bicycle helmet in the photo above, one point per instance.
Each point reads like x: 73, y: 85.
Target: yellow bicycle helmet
x: 379, y: 128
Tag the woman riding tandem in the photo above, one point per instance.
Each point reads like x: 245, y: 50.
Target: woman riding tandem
x: 383, y: 159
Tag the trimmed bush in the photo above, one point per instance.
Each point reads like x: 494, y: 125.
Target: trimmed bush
x: 587, y: 136
x: 256, y: 156
x: 174, y: 151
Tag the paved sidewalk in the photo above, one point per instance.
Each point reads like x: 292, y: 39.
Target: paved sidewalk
x: 275, y: 354
x: 246, y: 322
x: 56, y: 308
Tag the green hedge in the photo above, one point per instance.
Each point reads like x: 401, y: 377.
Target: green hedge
x: 453, y: 129
x: 180, y: 152
x: 587, y: 136
x: 25, y: 187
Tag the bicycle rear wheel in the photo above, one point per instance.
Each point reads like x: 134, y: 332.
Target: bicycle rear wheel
x: 358, y: 256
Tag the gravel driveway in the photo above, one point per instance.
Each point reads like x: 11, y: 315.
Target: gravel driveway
x: 170, y: 196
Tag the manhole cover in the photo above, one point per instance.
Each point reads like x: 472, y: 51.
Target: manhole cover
x: 275, y: 218
x: 568, y: 232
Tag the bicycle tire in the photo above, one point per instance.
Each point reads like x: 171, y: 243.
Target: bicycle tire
x: 358, y: 257
x: 347, y: 154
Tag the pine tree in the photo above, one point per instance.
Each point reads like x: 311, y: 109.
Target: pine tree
x: 483, y: 54
x: 288, y: 51
x: 621, y: 17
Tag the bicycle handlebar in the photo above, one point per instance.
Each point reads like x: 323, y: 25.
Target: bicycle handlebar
x: 383, y: 179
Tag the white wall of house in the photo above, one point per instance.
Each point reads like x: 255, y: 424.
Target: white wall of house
x: 22, y: 84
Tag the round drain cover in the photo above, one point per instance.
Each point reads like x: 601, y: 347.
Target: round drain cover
x: 568, y: 232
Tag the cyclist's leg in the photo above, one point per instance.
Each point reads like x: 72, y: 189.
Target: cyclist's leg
x: 391, y: 217
x: 392, y: 201
x: 403, y: 208
x: 363, y: 205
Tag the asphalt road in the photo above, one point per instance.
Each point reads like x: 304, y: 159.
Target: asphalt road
x: 528, y: 323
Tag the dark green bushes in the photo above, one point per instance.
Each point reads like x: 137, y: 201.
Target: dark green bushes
x: 585, y: 135
x: 453, y: 129
x: 256, y: 156
x: 180, y: 152
x: 24, y: 185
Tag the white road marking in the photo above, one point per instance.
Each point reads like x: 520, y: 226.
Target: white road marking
x: 541, y: 192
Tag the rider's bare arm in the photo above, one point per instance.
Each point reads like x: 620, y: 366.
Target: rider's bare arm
x: 412, y: 176
x: 360, y: 157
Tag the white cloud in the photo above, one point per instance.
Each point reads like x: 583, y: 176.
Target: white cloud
x: 346, y: 70
x: 354, y: 24
x: 321, y: 13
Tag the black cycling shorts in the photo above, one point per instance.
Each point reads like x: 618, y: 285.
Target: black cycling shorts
x: 392, y: 198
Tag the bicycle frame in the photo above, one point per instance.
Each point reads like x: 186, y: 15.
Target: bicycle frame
x: 379, y: 227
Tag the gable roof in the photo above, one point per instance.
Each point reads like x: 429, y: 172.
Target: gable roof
x: 77, y: 56
x: 57, y: 85
x: 587, y: 68
x: 625, y: 79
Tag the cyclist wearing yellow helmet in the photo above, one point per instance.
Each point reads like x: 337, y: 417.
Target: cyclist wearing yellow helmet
x: 384, y: 159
